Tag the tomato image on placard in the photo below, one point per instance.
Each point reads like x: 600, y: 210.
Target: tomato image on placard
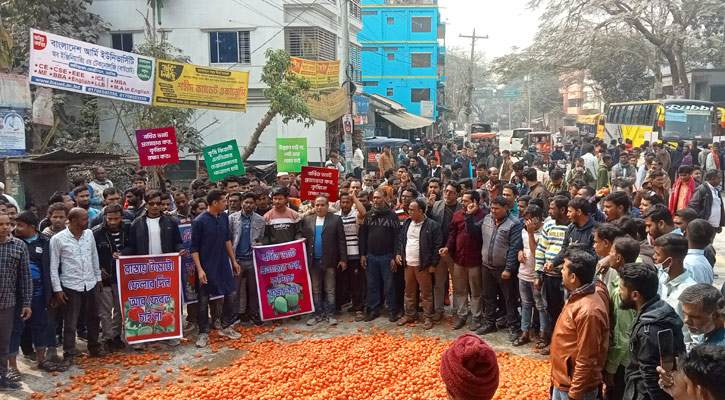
x: 149, y: 319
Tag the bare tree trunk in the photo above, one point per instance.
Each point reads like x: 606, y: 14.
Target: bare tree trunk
x: 254, y: 139
x: 674, y: 69
x: 682, y: 69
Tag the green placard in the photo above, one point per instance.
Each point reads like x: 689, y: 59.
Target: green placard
x: 291, y: 154
x: 223, y: 159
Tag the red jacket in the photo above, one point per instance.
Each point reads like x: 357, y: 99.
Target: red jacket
x: 464, y: 248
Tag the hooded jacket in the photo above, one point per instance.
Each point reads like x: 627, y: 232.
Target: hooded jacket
x: 641, y: 375
x: 576, y: 234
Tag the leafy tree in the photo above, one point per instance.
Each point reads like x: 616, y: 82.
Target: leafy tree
x: 285, y: 91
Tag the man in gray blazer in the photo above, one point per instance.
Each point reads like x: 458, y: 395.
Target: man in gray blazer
x: 247, y: 229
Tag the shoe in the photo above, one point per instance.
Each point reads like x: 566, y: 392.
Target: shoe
x: 82, y: 335
x: 406, y: 320
x: 7, y: 384
x: 486, y: 328
x: 51, y: 353
x: 191, y: 330
x: 428, y: 324
x: 230, y: 333
x: 475, y: 325
x: 202, y: 340
x: 514, y: 333
x: 244, y: 317
x: 257, y: 322
x: 98, y: 353
x: 458, y: 323
x: 332, y: 321
x: 118, y: 343
x: 371, y: 316
x: 313, y: 321
x: 173, y: 342
x: 447, y: 300
x: 217, y: 325
x: 393, y: 316
x: 501, y: 322
x: 109, y: 346
x: 139, y: 347
x: 437, y: 316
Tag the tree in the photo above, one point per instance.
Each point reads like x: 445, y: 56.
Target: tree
x: 286, y: 93
x: 458, y: 62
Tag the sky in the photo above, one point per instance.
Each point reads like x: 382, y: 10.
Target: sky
x: 507, y: 23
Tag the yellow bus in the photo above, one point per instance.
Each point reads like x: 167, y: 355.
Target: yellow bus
x: 592, y: 125
x: 663, y: 121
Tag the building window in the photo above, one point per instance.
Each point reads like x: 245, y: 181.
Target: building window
x: 370, y: 83
x: 369, y: 12
x: 355, y: 9
x: 389, y: 92
x: 122, y: 41
x: 390, y: 49
x: 420, y: 60
x: 391, y: 20
x: 418, y: 95
x: 356, y: 61
x: 575, y: 102
x: 391, y: 56
x: 420, y: 24
x: 230, y: 47
x: 311, y: 43
x: 372, y: 49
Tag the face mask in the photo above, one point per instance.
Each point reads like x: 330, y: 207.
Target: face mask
x: 661, y: 267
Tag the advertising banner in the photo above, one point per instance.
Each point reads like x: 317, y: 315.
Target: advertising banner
x: 374, y: 157
x: 149, y: 289
x: 157, y: 146
x: 12, y: 132
x: 361, y: 108
x: 316, y: 181
x: 223, y: 159
x: 196, y: 86
x: 283, y: 282
x: 14, y: 91
x: 188, y: 269
x: 63, y: 63
x: 291, y: 154
x: 330, y: 106
x: 321, y: 74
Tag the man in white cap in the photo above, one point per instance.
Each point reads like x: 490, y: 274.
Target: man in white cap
x: 285, y: 180
x: 12, y: 200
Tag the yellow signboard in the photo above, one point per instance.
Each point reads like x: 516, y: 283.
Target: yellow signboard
x: 330, y: 106
x: 321, y: 74
x: 196, y: 86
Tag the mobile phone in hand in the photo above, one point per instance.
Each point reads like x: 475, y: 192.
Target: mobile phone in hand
x: 667, y: 349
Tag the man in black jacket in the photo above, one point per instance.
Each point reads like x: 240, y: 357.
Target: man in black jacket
x: 638, y: 290
x: 706, y: 200
x: 110, y: 237
x: 327, y: 251
x: 579, y: 230
x: 418, y: 245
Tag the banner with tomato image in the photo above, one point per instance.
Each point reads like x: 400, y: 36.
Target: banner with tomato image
x: 149, y: 288
x: 283, y: 283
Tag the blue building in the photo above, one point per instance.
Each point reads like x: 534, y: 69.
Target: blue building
x: 401, y: 57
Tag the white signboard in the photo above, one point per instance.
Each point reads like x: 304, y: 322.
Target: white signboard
x: 12, y: 132
x: 427, y: 109
x: 14, y: 91
x: 63, y: 63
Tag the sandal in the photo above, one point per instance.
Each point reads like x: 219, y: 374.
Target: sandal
x: 542, y: 343
x: 13, y: 374
x: 63, y: 366
x: 545, y: 351
x: 48, y: 366
x: 522, y: 340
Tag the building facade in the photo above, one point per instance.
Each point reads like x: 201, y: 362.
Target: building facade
x: 401, y: 57
x: 234, y: 34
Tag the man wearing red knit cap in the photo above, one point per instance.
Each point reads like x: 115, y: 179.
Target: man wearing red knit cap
x: 469, y: 369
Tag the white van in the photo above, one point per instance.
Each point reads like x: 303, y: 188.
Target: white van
x: 518, y: 140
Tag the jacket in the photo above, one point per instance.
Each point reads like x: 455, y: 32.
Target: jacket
x: 538, y: 191
x: 379, y: 232
x: 437, y: 213
x: 385, y: 162
x: 628, y: 173
x: 137, y: 239
x: 507, y: 169
x: 463, y: 246
x: 602, y: 176
x: 501, y: 241
x: 39, y: 252
x: 334, y: 244
x: 256, y: 231
x: 641, y: 376
x: 106, y: 246
x: 701, y: 202
x: 430, y: 242
x: 579, y: 342
x: 576, y: 234
x: 675, y: 193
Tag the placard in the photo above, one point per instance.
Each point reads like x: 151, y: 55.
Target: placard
x: 63, y: 63
x: 157, y: 146
x: 291, y: 154
x: 321, y: 74
x: 149, y: 290
x: 223, y: 159
x: 14, y: 91
x: 12, y: 132
x: 330, y: 106
x: 196, y: 86
x: 317, y: 181
x: 374, y: 157
x: 188, y: 268
x: 283, y: 282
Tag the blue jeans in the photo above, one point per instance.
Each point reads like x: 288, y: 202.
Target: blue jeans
x: 227, y: 317
x: 531, y: 297
x: 321, y: 276
x: 380, y: 276
x: 557, y: 394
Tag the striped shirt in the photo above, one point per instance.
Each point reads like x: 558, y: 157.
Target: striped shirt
x: 401, y: 214
x: 550, y: 243
x: 351, y: 226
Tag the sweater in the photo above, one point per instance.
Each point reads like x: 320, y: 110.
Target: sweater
x: 379, y: 232
x: 550, y: 244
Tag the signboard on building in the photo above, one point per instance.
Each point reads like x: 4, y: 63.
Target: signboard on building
x: 157, y: 146
x: 361, y: 109
x: 14, y: 91
x: 291, y: 154
x: 321, y: 74
x: 317, y: 181
x: 330, y: 106
x: 12, y: 132
x: 223, y: 159
x: 508, y: 94
x: 63, y: 63
x: 427, y: 109
x: 196, y: 86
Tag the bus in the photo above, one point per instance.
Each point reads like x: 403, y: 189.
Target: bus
x: 591, y: 125
x: 663, y: 121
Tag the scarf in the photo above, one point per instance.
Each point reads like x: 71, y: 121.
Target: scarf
x: 676, y: 192
x: 374, y: 212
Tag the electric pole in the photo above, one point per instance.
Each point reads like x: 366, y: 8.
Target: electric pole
x: 344, y: 64
x: 473, y: 38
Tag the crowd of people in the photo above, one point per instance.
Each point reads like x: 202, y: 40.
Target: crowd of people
x: 585, y: 256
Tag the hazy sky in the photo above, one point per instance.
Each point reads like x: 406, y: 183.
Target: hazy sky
x: 507, y: 23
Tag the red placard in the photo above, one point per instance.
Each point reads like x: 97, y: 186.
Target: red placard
x: 316, y: 181
x: 149, y: 289
x: 283, y: 282
x: 374, y: 157
x: 157, y: 146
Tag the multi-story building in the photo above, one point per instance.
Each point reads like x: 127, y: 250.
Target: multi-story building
x: 579, y: 95
x: 401, y: 56
x: 234, y: 34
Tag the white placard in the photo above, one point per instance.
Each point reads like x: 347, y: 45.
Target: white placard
x: 12, y: 132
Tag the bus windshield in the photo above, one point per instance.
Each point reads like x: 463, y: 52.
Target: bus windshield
x: 687, y: 122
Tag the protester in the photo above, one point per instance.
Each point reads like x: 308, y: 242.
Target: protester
x: 386, y: 161
x: 699, y: 235
x: 352, y: 213
x: 530, y: 295
x: 442, y: 211
x: 57, y: 216
x: 536, y: 189
x: 98, y: 186
x: 82, y: 196
x: 682, y: 190
x: 706, y: 200
x: 659, y: 222
x: 703, y: 306
x: 670, y: 250
x: 616, y: 205
x: 283, y: 223
x: 469, y: 369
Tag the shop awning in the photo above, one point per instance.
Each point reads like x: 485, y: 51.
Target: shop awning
x: 406, y: 120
